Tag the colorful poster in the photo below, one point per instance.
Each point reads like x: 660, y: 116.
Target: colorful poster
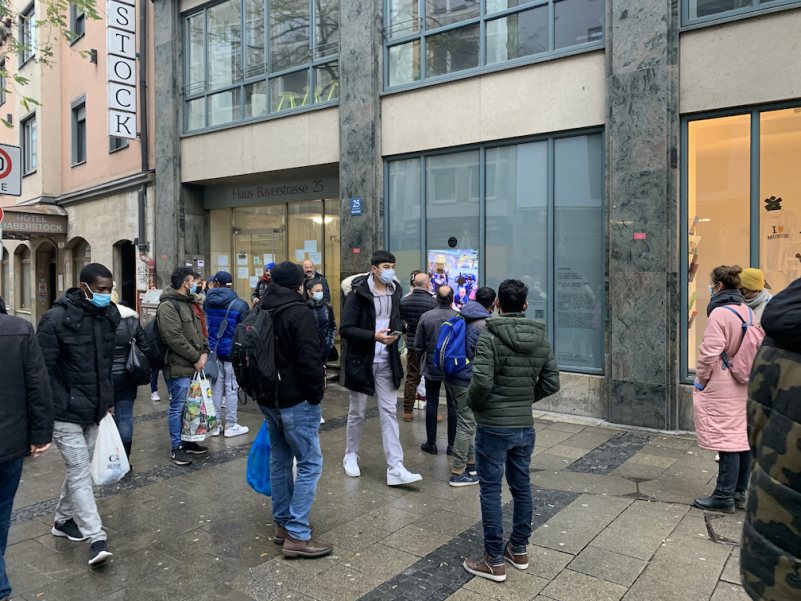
x: 457, y: 268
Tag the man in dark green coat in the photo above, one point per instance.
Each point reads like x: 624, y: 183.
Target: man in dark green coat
x: 513, y: 368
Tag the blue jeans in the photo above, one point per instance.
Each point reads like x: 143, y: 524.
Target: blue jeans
x: 123, y: 416
x: 178, y: 388
x: 154, y: 380
x: 10, y: 473
x: 512, y: 447
x: 734, y: 471
x: 294, y: 432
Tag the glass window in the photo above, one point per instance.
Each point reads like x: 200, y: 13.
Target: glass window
x: 81, y: 257
x: 513, y: 29
x: 332, y: 256
x: 710, y: 10
x: 230, y: 75
x: 27, y: 30
x: 77, y: 21
x: 115, y: 143
x: 260, y: 239
x: 405, y: 210
x: 2, y: 85
x: 25, y: 280
x: 79, y: 134
x: 29, y: 151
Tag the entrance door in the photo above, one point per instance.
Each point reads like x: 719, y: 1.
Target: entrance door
x: 259, y: 239
x: 128, y: 275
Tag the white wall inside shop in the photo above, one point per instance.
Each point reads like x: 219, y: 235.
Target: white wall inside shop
x: 287, y: 143
x: 751, y: 61
x: 551, y: 96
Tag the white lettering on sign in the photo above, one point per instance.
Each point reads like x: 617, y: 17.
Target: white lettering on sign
x: 121, y: 68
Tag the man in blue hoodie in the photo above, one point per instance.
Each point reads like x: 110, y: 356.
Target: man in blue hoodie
x: 475, y: 314
x: 222, y: 300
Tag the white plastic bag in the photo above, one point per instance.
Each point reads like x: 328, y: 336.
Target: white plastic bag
x: 109, y: 463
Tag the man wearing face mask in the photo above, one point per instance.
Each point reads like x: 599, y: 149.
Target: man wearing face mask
x: 183, y: 329
x: 77, y: 338
x: 372, y: 362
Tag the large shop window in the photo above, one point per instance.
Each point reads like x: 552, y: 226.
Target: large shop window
x: 530, y: 211
x: 425, y: 39
x: 742, y: 205
x: 233, y: 72
x: 701, y: 11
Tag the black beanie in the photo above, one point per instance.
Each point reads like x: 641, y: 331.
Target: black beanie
x: 288, y: 275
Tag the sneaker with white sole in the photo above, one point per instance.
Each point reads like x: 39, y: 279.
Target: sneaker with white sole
x: 98, y: 552
x: 351, y: 465
x: 217, y: 431
x: 400, y: 475
x: 486, y: 569
x: 463, y: 479
x: 155, y: 397
x: 322, y: 420
x: 235, y: 430
x: 68, y: 529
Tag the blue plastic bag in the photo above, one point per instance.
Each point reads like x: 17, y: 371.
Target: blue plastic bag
x: 258, y: 472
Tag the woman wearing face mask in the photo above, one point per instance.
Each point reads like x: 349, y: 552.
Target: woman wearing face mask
x: 324, y: 313
x: 718, y: 399
x: 752, y: 286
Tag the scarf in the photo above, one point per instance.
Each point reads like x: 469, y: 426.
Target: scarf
x: 199, y: 312
x: 265, y: 278
x: 723, y: 298
x: 763, y: 298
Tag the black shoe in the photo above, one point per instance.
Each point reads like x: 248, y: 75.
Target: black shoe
x: 715, y: 504
x: 194, y: 448
x: 739, y: 499
x: 429, y: 448
x: 98, y: 553
x: 68, y: 529
x: 449, y: 450
x: 179, y: 456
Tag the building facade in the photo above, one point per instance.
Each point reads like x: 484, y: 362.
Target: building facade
x: 86, y: 196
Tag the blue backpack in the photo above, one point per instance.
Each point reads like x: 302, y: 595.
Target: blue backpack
x: 451, y: 355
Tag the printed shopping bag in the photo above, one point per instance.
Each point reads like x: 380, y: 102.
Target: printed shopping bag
x: 199, y: 417
x: 258, y: 471
x: 109, y: 463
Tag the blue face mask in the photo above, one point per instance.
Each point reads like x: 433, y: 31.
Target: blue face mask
x: 318, y: 296
x: 710, y: 291
x: 98, y: 300
x: 387, y: 275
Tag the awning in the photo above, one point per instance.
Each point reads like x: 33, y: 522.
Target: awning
x: 23, y: 222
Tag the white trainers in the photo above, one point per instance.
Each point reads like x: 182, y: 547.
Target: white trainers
x: 351, y: 465
x: 217, y: 431
x: 235, y: 430
x: 322, y: 420
x: 400, y: 475
x: 155, y: 396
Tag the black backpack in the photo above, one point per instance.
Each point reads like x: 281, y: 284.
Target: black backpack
x: 253, y: 353
x: 158, y: 347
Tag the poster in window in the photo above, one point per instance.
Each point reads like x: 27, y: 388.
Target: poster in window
x: 457, y: 268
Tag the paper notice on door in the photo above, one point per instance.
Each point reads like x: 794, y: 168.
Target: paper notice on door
x: 316, y: 258
x: 259, y: 271
x: 268, y: 258
x: 310, y: 246
x: 242, y: 273
x: 253, y: 281
x: 242, y: 259
x: 300, y: 254
x: 201, y: 262
x: 222, y: 260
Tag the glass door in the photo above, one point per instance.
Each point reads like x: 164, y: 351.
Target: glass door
x: 259, y: 239
x: 332, y: 256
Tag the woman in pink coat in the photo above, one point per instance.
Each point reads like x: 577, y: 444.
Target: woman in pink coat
x: 718, y: 399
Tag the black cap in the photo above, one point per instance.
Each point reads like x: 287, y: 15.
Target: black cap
x: 288, y: 275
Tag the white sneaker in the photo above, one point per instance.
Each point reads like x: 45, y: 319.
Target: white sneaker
x: 351, y: 465
x: 418, y: 404
x: 217, y: 431
x: 223, y: 405
x: 322, y: 420
x: 400, y: 475
x: 235, y: 430
x: 155, y: 396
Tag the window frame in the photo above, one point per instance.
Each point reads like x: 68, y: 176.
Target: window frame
x: 25, y: 257
x: 75, y: 108
x: 551, y: 139
x: 687, y: 374
x: 422, y: 34
x: 757, y: 7
x: 2, y: 85
x: 25, y: 123
x: 112, y: 140
x: 200, y: 90
x: 75, y: 15
x: 27, y: 31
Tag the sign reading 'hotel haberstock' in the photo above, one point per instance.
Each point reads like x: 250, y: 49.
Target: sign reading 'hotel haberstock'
x: 121, y: 68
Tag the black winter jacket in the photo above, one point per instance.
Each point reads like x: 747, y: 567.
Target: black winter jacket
x: 412, y: 307
x: 260, y: 289
x: 358, y: 328
x: 129, y: 328
x: 326, y: 326
x: 425, y: 341
x: 77, y: 341
x: 297, y: 349
x: 26, y: 404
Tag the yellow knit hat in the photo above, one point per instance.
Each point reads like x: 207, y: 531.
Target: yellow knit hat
x: 752, y: 279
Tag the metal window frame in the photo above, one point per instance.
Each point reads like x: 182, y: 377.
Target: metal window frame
x: 74, y: 14
x: 688, y: 375
x: 26, y: 33
x: 422, y: 34
x: 75, y: 106
x: 551, y: 139
x: 25, y: 123
x: 267, y: 76
x: 111, y: 141
x: 757, y: 7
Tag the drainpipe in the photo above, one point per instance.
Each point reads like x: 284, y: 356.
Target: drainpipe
x: 143, y: 137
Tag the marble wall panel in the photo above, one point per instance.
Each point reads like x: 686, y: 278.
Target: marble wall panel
x: 638, y: 404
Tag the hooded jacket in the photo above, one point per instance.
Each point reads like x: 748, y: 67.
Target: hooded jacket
x: 412, y: 307
x: 77, y: 341
x: 216, y: 305
x: 425, y: 340
x: 514, y: 367
x: 297, y: 349
x: 182, y: 332
x: 770, y: 560
x: 475, y: 317
x: 129, y: 328
x: 358, y: 329
x: 26, y: 405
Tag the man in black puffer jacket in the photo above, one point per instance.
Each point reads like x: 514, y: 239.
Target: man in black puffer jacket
x: 412, y: 307
x: 77, y: 338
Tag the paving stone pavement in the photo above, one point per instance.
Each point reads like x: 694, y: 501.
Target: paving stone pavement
x: 612, y: 521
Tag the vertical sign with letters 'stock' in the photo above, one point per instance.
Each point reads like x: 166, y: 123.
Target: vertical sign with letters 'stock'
x: 121, y: 67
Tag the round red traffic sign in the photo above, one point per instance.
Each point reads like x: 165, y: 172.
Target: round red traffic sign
x: 1, y: 214
x: 7, y: 161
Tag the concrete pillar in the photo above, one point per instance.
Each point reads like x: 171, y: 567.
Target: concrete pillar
x: 642, y: 167
x: 360, y: 164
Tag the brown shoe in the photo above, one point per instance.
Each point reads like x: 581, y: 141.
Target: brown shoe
x: 280, y: 533
x: 483, y: 568
x: 305, y: 548
x: 407, y: 417
x: 518, y: 560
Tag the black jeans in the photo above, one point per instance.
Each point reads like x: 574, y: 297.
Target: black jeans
x: 733, y: 473
x: 432, y: 401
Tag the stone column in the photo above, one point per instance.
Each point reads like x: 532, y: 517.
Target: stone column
x: 642, y: 143
x: 360, y: 164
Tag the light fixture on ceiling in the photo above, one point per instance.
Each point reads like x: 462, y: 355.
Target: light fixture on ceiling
x: 319, y: 220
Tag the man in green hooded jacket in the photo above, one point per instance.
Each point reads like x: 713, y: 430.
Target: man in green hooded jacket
x: 513, y: 368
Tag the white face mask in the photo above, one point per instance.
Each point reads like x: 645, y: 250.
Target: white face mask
x: 387, y: 275
x: 318, y: 296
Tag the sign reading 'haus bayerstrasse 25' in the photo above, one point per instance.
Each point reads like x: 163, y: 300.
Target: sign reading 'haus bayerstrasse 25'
x: 121, y: 67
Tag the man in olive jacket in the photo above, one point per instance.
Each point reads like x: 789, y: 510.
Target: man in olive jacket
x: 183, y: 329
x: 513, y: 368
